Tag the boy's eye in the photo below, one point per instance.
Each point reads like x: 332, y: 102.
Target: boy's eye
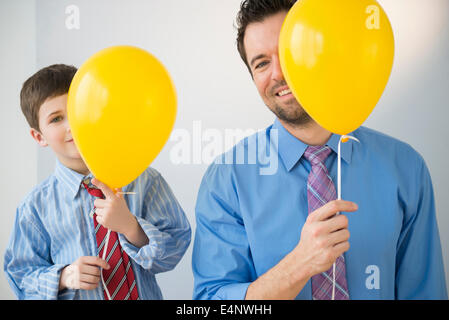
x: 56, y: 119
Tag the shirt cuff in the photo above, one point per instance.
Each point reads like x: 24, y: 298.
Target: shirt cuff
x: 145, y: 255
x: 49, y: 284
x: 234, y: 291
x: 67, y: 294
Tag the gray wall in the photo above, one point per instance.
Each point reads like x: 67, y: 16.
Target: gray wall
x: 196, y: 42
x: 18, y: 161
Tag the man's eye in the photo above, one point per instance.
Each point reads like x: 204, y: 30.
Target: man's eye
x: 261, y: 64
x: 56, y: 119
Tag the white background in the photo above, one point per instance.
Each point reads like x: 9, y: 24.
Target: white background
x: 195, y: 40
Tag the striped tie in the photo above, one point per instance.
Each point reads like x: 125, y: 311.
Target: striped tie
x: 320, y: 190
x: 119, y: 279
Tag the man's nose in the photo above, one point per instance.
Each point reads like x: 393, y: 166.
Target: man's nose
x: 276, y: 73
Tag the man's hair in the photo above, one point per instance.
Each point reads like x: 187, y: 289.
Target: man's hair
x: 256, y: 11
x: 49, y: 82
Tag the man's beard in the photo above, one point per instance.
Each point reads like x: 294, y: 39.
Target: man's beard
x: 293, y: 114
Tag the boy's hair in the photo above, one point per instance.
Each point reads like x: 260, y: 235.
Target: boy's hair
x: 256, y: 11
x: 47, y: 83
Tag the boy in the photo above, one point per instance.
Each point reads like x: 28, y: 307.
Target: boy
x: 58, y: 239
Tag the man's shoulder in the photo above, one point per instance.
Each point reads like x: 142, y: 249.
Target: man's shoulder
x: 246, y: 151
x: 376, y: 136
x: 250, y: 157
x: 383, y: 144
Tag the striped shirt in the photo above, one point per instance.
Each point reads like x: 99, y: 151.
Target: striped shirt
x: 53, y: 228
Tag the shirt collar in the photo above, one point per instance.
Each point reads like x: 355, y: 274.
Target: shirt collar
x: 291, y: 149
x: 69, y: 178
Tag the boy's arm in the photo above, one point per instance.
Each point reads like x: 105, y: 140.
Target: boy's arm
x: 135, y: 234
x: 113, y: 213
x: 164, y: 223
x: 27, y: 262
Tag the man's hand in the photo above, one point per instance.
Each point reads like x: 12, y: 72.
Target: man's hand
x: 324, y: 237
x: 84, y: 273
x: 113, y: 213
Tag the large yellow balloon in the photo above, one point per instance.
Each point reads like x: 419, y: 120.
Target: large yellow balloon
x: 336, y: 57
x: 121, y: 109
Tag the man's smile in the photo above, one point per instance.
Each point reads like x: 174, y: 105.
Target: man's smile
x: 283, y: 92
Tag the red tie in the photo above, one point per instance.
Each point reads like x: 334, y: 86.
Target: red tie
x: 119, y: 279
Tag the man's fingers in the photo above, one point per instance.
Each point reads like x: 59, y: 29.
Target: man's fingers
x: 339, y: 236
x: 335, y: 223
x: 100, y: 185
x: 341, y: 248
x: 331, y: 208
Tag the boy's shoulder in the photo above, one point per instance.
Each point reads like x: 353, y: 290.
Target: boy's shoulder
x: 148, y: 177
x: 39, y: 197
x: 151, y: 173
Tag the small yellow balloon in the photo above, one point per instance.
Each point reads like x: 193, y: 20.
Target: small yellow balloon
x: 121, y: 109
x: 336, y: 57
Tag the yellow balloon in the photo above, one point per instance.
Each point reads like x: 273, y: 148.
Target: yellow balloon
x: 121, y: 109
x: 336, y: 57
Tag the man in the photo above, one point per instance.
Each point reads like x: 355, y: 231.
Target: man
x: 278, y: 236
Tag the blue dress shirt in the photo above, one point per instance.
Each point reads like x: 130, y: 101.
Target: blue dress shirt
x: 247, y: 220
x: 53, y: 228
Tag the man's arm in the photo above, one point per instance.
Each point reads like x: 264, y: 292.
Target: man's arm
x: 324, y: 238
x: 222, y: 262
x: 419, y: 260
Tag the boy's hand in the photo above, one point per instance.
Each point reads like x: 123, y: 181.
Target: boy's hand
x: 84, y: 273
x: 112, y: 212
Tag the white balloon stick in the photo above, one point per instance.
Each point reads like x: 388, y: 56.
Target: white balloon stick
x: 343, y: 138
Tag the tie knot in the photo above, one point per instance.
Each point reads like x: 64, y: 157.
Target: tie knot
x: 87, y: 184
x: 317, y: 154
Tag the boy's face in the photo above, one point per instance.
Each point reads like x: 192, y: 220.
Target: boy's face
x: 55, y: 131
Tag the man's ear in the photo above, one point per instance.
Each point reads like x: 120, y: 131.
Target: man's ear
x: 38, y: 137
